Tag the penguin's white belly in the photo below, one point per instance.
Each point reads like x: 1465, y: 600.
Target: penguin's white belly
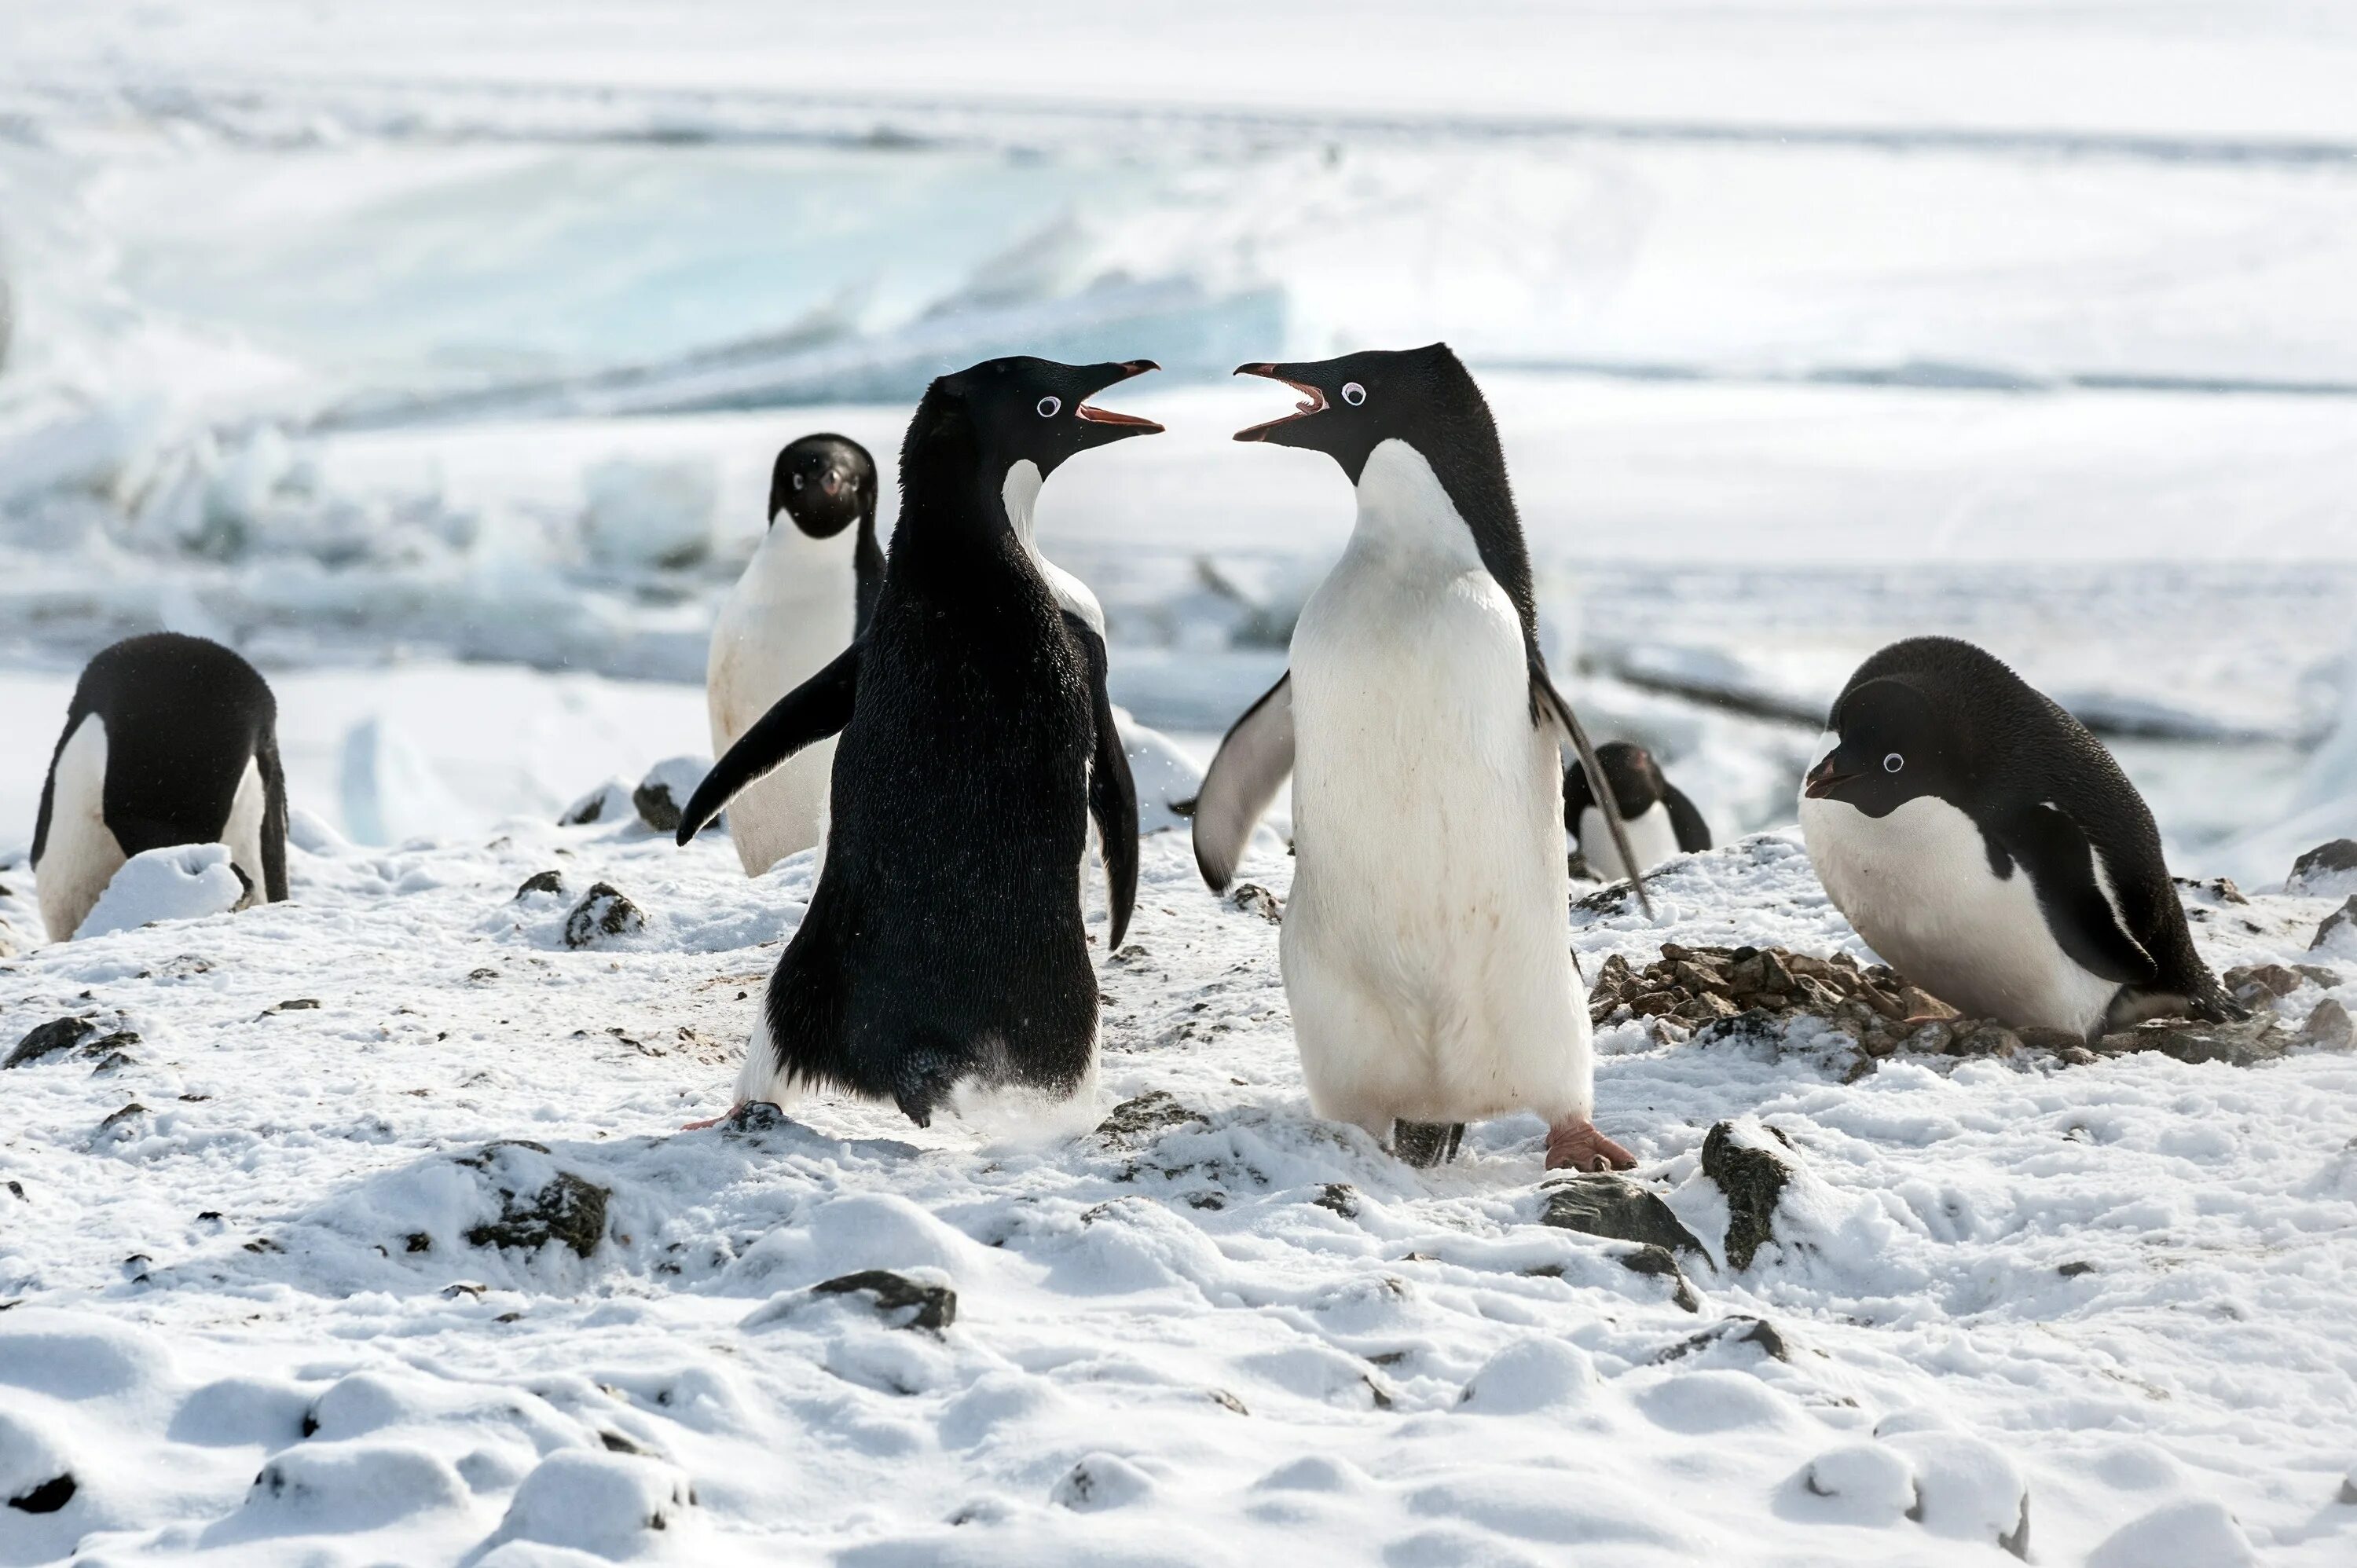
x: 1426, y: 944
x: 242, y: 831
x: 1917, y: 886
x: 787, y: 618
x: 1652, y: 840
x: 80, y: 856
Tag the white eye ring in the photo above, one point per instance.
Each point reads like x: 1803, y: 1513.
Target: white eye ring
x: 1050, y: 406
x: 1353, y: 394
x: 1893, y: 762
x: 798, y: 482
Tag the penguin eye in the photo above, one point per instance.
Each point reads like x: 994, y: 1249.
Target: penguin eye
x: 798, y: 482
x: 1893, y: 762
x: 1353, y: 394
x: 1050, y: 406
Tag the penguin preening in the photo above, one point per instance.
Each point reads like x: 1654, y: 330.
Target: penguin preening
x: 168, y: 740
x: 1989, y: 848
x: 1426, y: 946
x: 943, y: 947
x: 805, y: 594
x: 1658, y: 819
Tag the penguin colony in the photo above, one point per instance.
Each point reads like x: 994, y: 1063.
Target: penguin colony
x: 935, y: 721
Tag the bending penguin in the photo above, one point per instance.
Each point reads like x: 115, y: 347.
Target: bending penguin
x: 168, y: 740
x: 943, y: 948
x: 1989, y: 848
x: 1427, y: 947
x: 1660, y: 820
x: 806, y: 594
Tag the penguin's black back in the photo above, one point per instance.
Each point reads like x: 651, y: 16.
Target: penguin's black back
x: 183, y: 717
x: 2019, y: 749
x: 944, y: 941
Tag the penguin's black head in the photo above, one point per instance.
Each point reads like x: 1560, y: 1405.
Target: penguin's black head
x: 1891, y: 745
x: 825, y: 483
x: 1635, y: 778
x: 1037, y: 410
x: 1351, y: 405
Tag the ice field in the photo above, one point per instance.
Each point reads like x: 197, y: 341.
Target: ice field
x: 435, y: 358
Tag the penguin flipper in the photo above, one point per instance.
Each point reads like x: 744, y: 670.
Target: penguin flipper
x: 2066, y: 874
x: 273, y: 818
x: 812, y: 711
x: 1693, y: 832
x: 1546, y: 699
x: 1252, y: 764
x: 1113, y: 793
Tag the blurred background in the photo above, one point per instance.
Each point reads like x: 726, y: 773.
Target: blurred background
x: 434, y: 356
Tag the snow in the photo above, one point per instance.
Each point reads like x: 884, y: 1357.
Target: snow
x: 185, y: 882
x: 1186, y: 1337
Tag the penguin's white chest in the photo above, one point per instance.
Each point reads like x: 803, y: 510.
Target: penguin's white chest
x: 1426, y: 944
x: 1651, y: 839
x: 788, y: 617
x: 1917, y: 885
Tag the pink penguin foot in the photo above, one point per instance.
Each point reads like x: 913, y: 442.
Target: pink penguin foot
x: 712, y: 1121
x: 1577, y: 1145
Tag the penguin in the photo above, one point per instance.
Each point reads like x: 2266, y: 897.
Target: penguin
x: 1661, y: 822
x: 944, y: 949
x: 1989, y: 847
x: 806, y: 594
x: 168, y: 740
x: 1426, y: 946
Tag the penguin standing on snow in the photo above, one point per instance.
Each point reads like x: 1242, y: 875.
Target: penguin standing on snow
x: 1989, y: 848
x: 1661, y: 822
x: 806, y: 594
x: 1427, y: 947
x: 943, y: 948
x: 168, y: 740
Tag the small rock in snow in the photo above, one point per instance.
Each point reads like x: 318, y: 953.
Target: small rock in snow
x: 2338, y: 928
x: 561, y: 1208
x: 1101, y: 1481
x: 1616, y: 1207
x: 2326, y: 871
x: 603, y: 914
x: 609, y: 802
x: 1866, y: 1483
x: 183, y: 882
x: 1967, y: 1489
x: 1254, y: 899
x: 1741, y: 1330
x: 1752, y: 1172
x: 35, y: 1477
x: 2329, y: 1026
x: 926, y: 1304
x: 1144, y: 1118
x: 664, y: 792
x: 47, y: 1039
x: 539, y: 881
x: 1648, y: 1259
x: 595, y: 1501
x: 2253, y: 985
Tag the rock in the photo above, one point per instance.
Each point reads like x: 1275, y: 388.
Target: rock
x: 539, y: 881
x: 1147, y: 1117
x: 1253, y: 898
x: 664, y: 792
x: 1660, y: 1262
x: 2254, y: 984
x: 1615, y: 1207
x: 2239, y: 1042
x: 49, y: 1039
x: 1739, y: 1329
x: 2327, y: 871
x: 927, y: 1305
x: 2328, y: 1028
x: 45, y: 1497
x: 1101, y: 1481
x: 1753, y: 1179
x: 563, y: 1207
x: 2338, y: 928
x: 603, y: 914
x: 606, y: 803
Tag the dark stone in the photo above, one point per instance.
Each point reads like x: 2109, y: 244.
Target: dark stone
x: 2252, y: 983
x: 418, y: 1241
x: 1741, y: 1329
x: 49, y: 1039
x: 603, y: 912
x: 1340, y: 1196
x: 752, y: 1118
x: 541, y: 881
x: 1145, y: 1118
x: 2073, y: 1270
x: 48, y: 1498
x: 1253, y: 898
x: 617, y: 1443
x: 1753, y: 1180
x: 656, y: 808
x: 929, y: 1307
x: 1615, y: 1207
x: 2237, y: 1042
x: 568, y: 1209
x: 2325, y: 861
x: 2329, y: 1026
x: 2341, y: 920
x: 1423, y: 1144
x: 1649, y: 1259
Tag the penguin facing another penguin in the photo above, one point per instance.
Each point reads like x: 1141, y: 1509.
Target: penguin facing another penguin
x: 943, y: 947
x: 1661, y: 822
x: 805, y: 594
x: 1989, y: 847
x: 1426, y: 946
x: 168, y: 740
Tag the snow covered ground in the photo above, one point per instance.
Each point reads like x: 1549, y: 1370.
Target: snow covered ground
x: 361, y: 1229
x: 434, y: 356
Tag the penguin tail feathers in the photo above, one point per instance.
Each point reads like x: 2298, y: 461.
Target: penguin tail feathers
x: 1546, y: 700
x: 274, y: 816
x: 812, y: 711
